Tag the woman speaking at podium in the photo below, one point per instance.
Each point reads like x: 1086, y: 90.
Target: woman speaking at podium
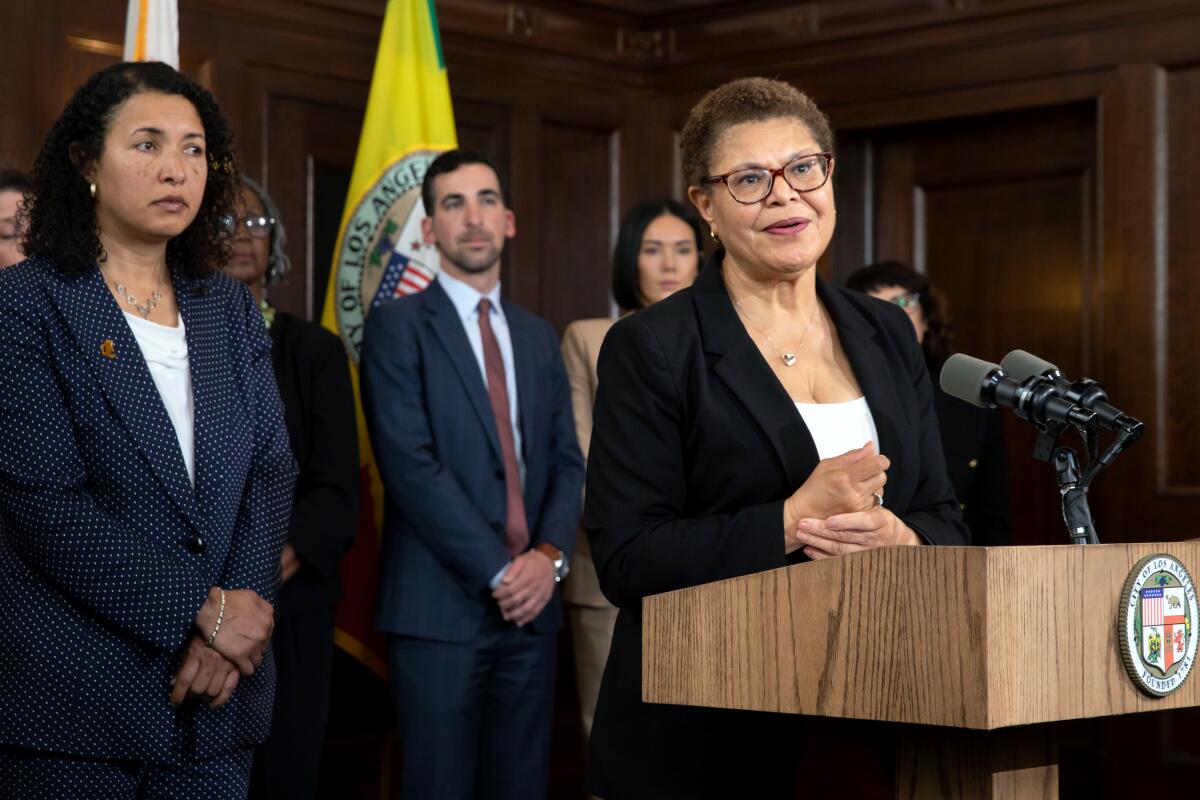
x: 749, y: 422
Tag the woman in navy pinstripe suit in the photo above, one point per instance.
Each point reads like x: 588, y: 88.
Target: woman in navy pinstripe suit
x: 145, y: 476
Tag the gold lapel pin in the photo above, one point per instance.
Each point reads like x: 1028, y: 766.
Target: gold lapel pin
x: 108, y: 350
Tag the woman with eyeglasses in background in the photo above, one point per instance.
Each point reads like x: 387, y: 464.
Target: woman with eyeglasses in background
x: 972, y: 438
x: 313, y: 376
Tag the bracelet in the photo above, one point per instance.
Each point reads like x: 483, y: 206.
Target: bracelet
x: 220, y: 616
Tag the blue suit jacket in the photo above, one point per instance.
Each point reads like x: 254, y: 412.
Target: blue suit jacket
x: 434, y: 437
x: 98, y: 587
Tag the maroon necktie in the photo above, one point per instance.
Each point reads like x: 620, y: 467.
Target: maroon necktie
x: 516, y: 529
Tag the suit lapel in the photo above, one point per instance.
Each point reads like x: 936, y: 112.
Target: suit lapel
x: 860, y: 342
x: 99, y: 328
x: 737, y: 361
x: 193, y: 297
x: 526, y: 378
x: 448, y: 328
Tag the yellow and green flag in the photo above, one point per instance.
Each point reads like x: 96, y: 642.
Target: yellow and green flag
x: 380, y: 255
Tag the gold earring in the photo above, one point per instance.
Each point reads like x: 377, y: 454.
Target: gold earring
x: 92, y: 188
x: 713, y: 233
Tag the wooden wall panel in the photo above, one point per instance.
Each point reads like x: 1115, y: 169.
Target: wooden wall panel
x: 310, y: 144
x: 1180, y: 423
x: 580, y: 164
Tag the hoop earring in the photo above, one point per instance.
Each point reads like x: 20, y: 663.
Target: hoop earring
x: 713, y: 233
x: 92, y: 188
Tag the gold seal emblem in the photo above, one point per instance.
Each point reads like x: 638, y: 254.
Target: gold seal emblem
x: 382, y: 253
x: 1154, y: 624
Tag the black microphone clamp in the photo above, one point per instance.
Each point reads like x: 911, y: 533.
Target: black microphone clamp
x: 1036, y: 400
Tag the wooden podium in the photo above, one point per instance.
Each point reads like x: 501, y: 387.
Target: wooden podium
x: 977, y: 649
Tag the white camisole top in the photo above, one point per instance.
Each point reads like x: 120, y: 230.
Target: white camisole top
x: 839, y: 427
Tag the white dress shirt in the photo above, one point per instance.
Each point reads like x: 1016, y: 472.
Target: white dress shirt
x: 466, y: 302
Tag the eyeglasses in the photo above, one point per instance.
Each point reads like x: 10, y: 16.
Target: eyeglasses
x: 804, y: 174
x: 257, y: 227
x: 907, y: 301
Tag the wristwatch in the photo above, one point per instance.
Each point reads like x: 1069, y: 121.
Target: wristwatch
x: 558, y: 558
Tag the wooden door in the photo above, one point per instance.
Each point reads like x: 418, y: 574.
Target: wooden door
x: 999, y: 212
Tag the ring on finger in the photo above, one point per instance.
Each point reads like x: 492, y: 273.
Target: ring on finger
x: 879, y: 499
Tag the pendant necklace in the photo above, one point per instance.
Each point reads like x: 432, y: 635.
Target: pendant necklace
x: 142, y: 308
x: 787, y: 358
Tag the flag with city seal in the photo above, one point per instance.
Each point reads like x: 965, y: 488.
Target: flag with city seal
x: 380, y: 255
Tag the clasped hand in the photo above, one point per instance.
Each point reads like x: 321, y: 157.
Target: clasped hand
x: 837, y: 510
x: 204, y: 673
x: 237, y: 650
x: 526, y: 587
x: 246, y: 626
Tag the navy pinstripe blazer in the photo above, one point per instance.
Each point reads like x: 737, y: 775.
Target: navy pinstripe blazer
x: 434, y: 437
x: 98, y: 588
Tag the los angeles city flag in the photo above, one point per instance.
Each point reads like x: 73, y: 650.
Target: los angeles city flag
x: 380, y: 255
x: 152, y: 31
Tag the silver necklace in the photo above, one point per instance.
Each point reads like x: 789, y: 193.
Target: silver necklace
x: 788, y: 358
x: 142, y: 308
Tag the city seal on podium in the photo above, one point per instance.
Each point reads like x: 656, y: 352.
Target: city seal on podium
x: 381, y: 254
x: 1154, y: 624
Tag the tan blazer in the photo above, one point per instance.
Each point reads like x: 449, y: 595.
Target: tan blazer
x: 581, y: 348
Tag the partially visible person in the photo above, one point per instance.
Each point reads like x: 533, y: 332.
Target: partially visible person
x: 145, y: 474
x: 13, y: 186
x: 469, y: 413
x: 657, y: 253
x: 972, y: 438
x: 745, y: 423
x: 313, y: 376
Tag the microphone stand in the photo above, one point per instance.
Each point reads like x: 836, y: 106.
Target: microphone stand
x: 1076, y: 512
x: 1072, y: 486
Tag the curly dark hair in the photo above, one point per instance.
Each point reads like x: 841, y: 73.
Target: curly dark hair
x: 738, y: 101
x: 60, y: 215
x: 938, y: 343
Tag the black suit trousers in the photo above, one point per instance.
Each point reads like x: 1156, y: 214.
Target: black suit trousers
x: 288, y: 763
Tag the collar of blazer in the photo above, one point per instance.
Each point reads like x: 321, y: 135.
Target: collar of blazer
x: 448, y: 327
x: 93, y: 317
x: 737, y: 361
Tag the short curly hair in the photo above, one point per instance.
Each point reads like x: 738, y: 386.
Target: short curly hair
x: 60, y: 215
x: 738, y: 101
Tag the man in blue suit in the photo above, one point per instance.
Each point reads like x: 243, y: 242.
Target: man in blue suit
x: 469, y: 413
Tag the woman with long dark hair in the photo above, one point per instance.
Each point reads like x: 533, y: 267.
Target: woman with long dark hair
x: 145, y: 475
x: 657, y: 253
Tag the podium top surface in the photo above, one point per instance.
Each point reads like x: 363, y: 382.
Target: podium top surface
x: 967, y: 637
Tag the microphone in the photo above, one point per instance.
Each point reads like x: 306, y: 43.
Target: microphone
x: 987, y: 385
x: 1087, y: 393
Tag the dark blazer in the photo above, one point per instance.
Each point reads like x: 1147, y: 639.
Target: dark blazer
x: 313, y: 375
x: 434, y: 438
x: 695, y: 447
x: 101, y: 575
x: 973, y: 443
